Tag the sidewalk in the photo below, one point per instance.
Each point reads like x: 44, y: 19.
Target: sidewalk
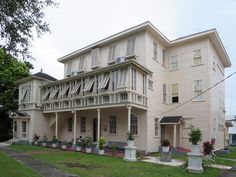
x: 42, y: 168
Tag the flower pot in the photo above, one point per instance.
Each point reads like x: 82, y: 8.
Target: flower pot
x: 78, y: 148
x: 165, y: 148
x: 88, y: 150
x: 44, y: 144
x: 54, y: 145
x: 36, y: 143
x: 130, y: 143
x: 101, y: 151
x: 195, y: 148
x: 63, y: 147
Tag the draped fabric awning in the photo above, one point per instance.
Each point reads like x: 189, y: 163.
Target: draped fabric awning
x: 104, y: 82
x: 19, y: 115
x: 23, y: 96
x: 172, y: 120
x: 88, y: 85
x: 45, y: 95
x: 54, y: 92
x: 75, y: 88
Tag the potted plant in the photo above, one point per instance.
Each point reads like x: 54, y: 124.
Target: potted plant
x: 88, y: 144
x: 195, y: 136
x: 207, y: 149
x: 130, y: 139
x: 64, y: 145
x: 101, y: 143
x: 54, y: 142
x: 165, y: 144
x: 79, y: 145
x: 45, y: 138
x: 36, y: 138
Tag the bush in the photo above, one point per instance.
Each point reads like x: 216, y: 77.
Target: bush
x: 165, y: 142
x: 208, y: 147
x: 195, y: 135
x: 88, y: 141
x: 45, y: 138
x: 54, y: 139
x: 130, y: 136
x: 36, y: 137
x: 113, y: 148
x: 101, y: 143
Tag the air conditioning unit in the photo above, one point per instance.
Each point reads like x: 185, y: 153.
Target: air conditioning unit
x: 120, y: 59
x: 73, y: 73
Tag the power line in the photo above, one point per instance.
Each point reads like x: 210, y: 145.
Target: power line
x: 197, y: 95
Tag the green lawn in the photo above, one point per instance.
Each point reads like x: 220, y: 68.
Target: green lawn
x: 28, y: 148
x: 10, y: 168
x: 232, y: 155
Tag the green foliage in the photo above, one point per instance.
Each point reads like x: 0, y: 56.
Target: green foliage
x: 113, y: 149
x: 45, y: 138
x: 36, y: 137
x: 101, y: 143
x: 54, y: 139
x: 130, y: 136
x: 165, y: 142
x: 208, y: 147
x: 195, y: 135
x: 79, y: 143
x: 88, y: 141
x: 19, y: 20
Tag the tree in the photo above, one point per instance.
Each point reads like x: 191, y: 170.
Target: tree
x: 19, y: 19
x: 11, y: 70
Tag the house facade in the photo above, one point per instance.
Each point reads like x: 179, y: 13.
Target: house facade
x: 136, y: 80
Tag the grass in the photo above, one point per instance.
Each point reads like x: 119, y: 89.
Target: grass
x: 27, y: 148
x: 232, y: 155
x: 10, y: 167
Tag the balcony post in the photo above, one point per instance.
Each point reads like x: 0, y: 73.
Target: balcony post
x: 129, y: 117
x: 75, y: 120
x: 98, y: 128
x: 174, y: 141
x: 56, y: 125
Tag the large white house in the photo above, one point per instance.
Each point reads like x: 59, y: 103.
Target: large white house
x: 130, y: 81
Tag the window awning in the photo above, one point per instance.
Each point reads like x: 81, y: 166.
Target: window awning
x: 54, y: 92
x: 104, y: 82
x: 75, y: 88
x: 24, y: 95
x: 172, y: 120
x: 88, y: 85
x: 45, y: 95
x: 19, y: 115
x: 64, y: 90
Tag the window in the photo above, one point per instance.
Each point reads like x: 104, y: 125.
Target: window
x: 164, y: 62
x: 15, y: 126
x: 112, y: 124
x: 83, y: 124
x: 81, y: 64
x: 89, y: 85
x: 133, y: 79
x: 25, y: 93
x: 156, y: 122
x: 70, y: 124
x: 134, y: 125
x: 164, y: 93
x: 175, y: 93
x: 144, y: 84
x: 111, y: 53
x: 130, y: 46
x: 68, y: 68
x: 122, y: 78
x: 150, y: 84
x: 114, y: 80
x: 94, y: 58
x: 198, y: 89
x: 155, y: 49
x: 103, y: 84
x: 197, y: 60
x: 23, y: 123
x: 174, y: 62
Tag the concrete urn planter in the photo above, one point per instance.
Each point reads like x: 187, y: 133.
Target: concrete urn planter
x: 195, y: 160
x: 130, y: 151
x: 44, y: 144
x: 130, y: 143
x: 101, y: 152
x: 78, y: 148
x: 54, y: 145
x: 165, y: 148
x: 88, y: 150
x: 36, y: 143
x: 63, y: 147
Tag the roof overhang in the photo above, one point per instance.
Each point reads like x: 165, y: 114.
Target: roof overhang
x: 228, y: 123
x: 19, y: 115
x: 171, y: 120
x: 30, y: 78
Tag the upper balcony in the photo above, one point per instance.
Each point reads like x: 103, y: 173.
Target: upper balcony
x: 115, y: 85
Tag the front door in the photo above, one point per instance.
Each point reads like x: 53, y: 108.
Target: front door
x: 95, y: 129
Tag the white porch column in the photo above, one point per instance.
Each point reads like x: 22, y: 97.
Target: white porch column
x: 180, y: 135
x: 56, y: 126
x: 75, y: 117
x: 20, y: 129
x: 13, y: 130
x: 98, y: 133
x: 174, y: 141
x: 129, y: 117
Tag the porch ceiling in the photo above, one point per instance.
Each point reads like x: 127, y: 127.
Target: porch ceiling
x: 171, y: 120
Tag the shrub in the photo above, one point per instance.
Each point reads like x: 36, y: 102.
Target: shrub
x: 54, y: 139
x: 36, y: 137
x: 165, y: 142
x: 45, y: 138
x: 208, y: 147
x: 195, y: 135
x: 101, y: 143
x: 130, y: 136
x: 88, y: 141
x: 113, y: 148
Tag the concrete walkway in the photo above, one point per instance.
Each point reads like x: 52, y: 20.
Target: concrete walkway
x: 42, y: 168
x: 229, y: 173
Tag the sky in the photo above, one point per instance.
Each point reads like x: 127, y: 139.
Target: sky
x: 77, y: 23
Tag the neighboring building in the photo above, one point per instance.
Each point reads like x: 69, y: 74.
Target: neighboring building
x: 132, y: 81
x: 232, y: 129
